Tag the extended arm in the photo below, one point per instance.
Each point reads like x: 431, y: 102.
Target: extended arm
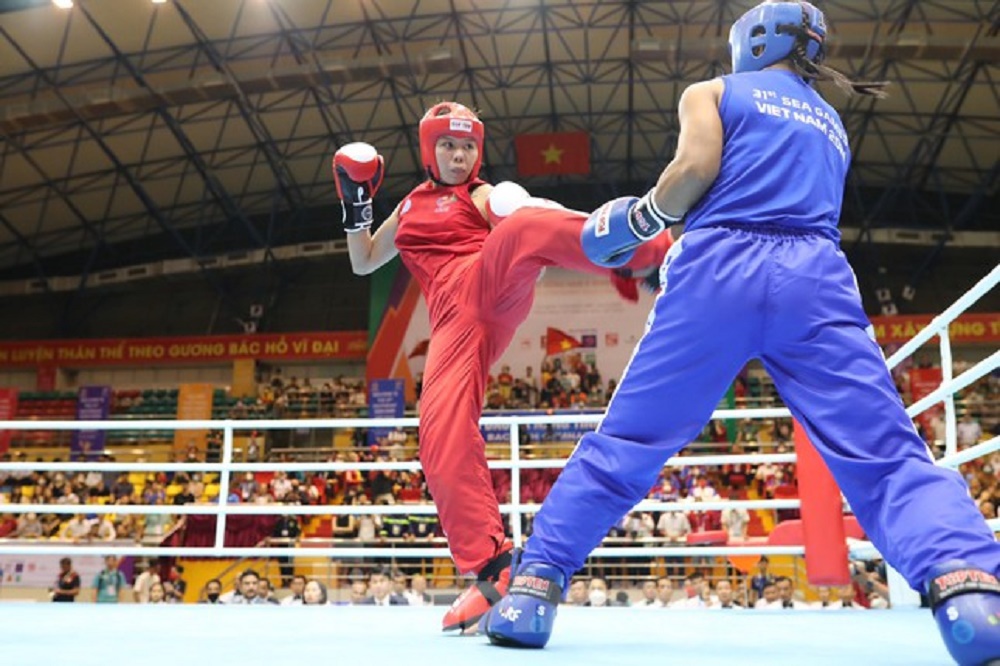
x: 614, y: 230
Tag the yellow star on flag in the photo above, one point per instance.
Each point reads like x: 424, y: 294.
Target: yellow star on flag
x: 553, y: 155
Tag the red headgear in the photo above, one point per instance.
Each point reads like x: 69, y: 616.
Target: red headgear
x: 451, y: 119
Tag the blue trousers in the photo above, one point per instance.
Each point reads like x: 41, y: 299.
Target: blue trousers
x: 792, y: 301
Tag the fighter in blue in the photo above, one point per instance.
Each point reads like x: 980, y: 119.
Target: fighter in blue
x: 758, y: 178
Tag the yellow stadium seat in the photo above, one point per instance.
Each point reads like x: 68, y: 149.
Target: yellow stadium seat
x: 173, y: 490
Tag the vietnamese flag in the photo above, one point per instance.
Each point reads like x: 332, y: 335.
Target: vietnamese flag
x: 555, y: 153
x: 557, y: 342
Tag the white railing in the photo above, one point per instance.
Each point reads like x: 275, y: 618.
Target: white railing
x: 938, y: 326
x: 224, y: 508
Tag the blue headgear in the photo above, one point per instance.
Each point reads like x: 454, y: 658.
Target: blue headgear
x: 773, y: 31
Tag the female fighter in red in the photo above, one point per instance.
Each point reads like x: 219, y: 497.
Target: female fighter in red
x: 477, y: 252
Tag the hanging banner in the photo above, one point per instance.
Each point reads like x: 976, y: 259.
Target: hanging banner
x: 968, y: 328
x: 8, y: 408
x: 194, y: 403
x: 203, y: 349
x: 560, y: 433
x: 93, y: 403
x: 385, y: 401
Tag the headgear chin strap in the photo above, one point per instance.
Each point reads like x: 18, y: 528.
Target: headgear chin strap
x: 449, y: 119
x: 772, y: 31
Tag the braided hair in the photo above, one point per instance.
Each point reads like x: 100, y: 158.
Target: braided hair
x: 815, y: 70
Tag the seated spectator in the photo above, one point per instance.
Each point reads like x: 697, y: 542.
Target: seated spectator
x: 786, y: 594
x: 577, y: 595
x: 969, y: 431
x: 248, y: 588
x: 122, y: 489
x: 695, y: 592
x: 417, y: 594
x: 8, y: 525
x: 664, y: 592
x: 157, y: 594
x: 314, y: 594
x: 281, y: 485
x: 171, y: 595
x: 50, y: 525
x: 264, y: 592
x: 103, y: 529
x: 29, y: 526
x: 735, y: 519
x: 399, y: 584
x: 724, y: 596
x: 769, y: 599
x: 359, y: 591
x: 368, y: 525
x: 703, y: 490
x: 648, y: 594
x: 296, y: 589
x: 674, y: 526
x: 186, y: 495
x: 380, y: 585
x: 77, y: 528
x: 213, y: 592
x: 597, y: 593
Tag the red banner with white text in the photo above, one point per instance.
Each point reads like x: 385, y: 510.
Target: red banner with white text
x: 968, y: 328
x: 8, y: 408
x: 201, y: 349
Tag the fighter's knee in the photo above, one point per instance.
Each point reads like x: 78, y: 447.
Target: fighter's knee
x: 504, y: 199
x: 508, y: 197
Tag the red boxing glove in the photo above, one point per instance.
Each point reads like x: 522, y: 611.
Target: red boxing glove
x: 357, y: 172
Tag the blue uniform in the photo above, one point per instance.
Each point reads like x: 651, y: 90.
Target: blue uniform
x: 759, y: 274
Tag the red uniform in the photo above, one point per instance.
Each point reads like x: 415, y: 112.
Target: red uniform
x: 479, y: 287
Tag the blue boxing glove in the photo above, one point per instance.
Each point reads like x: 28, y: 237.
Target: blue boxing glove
x: 613, y: 232
x: 966, y: 606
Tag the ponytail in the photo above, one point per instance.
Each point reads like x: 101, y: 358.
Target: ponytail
x: 815, y: 70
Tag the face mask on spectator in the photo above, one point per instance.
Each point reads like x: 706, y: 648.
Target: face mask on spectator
x: 597, y: 597
x: 213, y: 596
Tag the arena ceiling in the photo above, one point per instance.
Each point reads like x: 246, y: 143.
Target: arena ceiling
x: 135, y: 130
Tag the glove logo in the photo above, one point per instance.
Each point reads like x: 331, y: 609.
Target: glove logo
x: 366, y: 213
x: 510, y: 613
x: 603, y: 228
x: 645, y: 229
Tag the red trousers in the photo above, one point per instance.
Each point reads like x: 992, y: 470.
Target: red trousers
x: 492, y: 296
